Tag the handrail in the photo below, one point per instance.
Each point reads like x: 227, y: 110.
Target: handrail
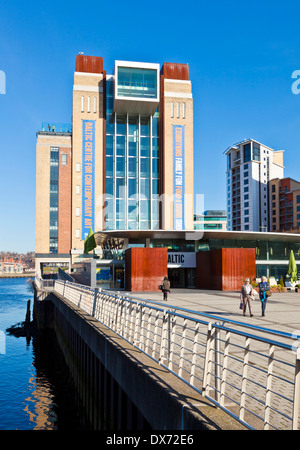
x: 213, y: 317
x: 250, y: 372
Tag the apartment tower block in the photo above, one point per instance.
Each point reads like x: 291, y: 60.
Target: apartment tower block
x: 250, y: 167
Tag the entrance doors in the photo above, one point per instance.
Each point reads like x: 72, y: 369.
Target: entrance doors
x: 182, y: 277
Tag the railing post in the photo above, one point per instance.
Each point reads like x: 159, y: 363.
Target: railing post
x: 95, y: 301
x: 244, y: 379
x: 225, y: 367
x: 164, y: 337
x: 207, y: 362
x: 269, y: 388
x: 217, y: 363
x: 171, y: 338
x: 296, y: 402
x: 194, y: 357
x: 155, y: 334
x: 142, y: 324
x: 182, y: 348
x: 137, y: 324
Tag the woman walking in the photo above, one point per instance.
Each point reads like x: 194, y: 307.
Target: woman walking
x: 166, y: 287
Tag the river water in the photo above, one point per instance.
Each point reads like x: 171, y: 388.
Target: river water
x: 36, y: 392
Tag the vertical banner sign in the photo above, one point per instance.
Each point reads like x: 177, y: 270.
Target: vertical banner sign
x: 88, y: 176
x: 178, y: 177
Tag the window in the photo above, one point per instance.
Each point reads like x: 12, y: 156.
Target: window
x: 78, y: 167
x: 298, y: 198
x: 246, y: 227
x: 77, y: 212
x: 246, y: 181
x: 89, y: 105
x: 246, y: 205
x: 137, y: 82
x: 64, y: 159
x: 246, y: 212
x: 178, y: 110
x: 82, y: 103
x: 246, y: 219
x: 77, y: 232
x: 172, y: 109
x: 246, y: 174
x: 183, y: 110
x: 256, y: 152
x: 247, y: 152
x: 246, y: 167
x: 95, y: 104
x: 77, y: 189
x: 246, y: 189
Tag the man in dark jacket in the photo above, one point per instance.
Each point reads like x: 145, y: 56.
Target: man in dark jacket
x: 263, y: 288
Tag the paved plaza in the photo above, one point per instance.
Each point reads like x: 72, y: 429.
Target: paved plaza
x: 282, y: 310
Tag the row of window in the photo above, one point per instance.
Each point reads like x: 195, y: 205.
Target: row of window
x: 180, y: 110
x: 53, y: 234
x: 88, y: 104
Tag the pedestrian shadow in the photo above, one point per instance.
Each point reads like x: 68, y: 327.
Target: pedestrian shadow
x: 221, y: 313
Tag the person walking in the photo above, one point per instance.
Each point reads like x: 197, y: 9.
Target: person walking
x: 247, y: 296
x: 166, y: 287
x: 264, y: 292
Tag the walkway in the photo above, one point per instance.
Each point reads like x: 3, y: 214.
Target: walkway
x: 282, y: 311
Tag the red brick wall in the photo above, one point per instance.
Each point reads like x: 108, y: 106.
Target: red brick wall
x: 145, y: 268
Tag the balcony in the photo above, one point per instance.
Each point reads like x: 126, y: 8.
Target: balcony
x: 55, y: 127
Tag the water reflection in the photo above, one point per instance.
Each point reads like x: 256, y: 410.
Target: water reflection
x: 53, y: 402
x: 39, y: 405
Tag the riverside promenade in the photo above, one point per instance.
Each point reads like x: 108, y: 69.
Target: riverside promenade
x: 282, y: 311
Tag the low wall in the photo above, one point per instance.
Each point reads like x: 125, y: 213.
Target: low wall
x: 135, y: 391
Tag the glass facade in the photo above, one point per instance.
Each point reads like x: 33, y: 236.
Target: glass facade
x: 137, y: 82
x: 54, y: 160
x: 132, y: 169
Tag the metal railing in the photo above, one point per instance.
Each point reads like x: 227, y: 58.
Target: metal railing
x: 250, y: 372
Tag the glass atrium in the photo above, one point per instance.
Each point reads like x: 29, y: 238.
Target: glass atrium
x: 132, y: 159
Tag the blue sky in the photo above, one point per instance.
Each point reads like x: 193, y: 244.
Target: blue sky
x: 241, y: 58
